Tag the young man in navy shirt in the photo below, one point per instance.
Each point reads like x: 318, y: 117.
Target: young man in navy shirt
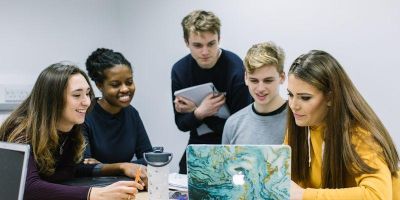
x: 207, y: 62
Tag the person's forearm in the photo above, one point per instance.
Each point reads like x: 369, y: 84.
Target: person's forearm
x: 187, y: 122
x: 112, y: 169
x: 215, y: 123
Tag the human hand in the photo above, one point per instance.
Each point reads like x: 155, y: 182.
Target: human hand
x: 131, y: 169
x: 91, y: 161
x: 121, y: 190
x: 296, y: 192
x: 183, y: 105
x: 209, y: 106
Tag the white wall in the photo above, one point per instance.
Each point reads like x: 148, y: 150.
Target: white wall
x: 362, y: 35
x: 35, y: 34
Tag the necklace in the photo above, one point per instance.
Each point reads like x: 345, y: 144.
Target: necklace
x: 62, y: 146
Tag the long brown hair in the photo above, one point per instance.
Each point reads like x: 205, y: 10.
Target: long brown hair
x: 34, y: 121
x: 348, y: 110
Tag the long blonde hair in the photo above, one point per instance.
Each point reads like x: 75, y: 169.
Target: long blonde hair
x: 348, y: 110
x: 34, y: 121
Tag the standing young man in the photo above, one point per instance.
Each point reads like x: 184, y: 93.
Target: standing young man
x: 207, y: 62
x: 264, y: 121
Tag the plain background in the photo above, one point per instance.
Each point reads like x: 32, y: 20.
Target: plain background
x: 362, y: 35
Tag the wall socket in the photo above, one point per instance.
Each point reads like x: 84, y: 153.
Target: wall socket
x: 12, y: 95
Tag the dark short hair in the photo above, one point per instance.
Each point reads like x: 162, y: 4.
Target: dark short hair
x: 102, y: 59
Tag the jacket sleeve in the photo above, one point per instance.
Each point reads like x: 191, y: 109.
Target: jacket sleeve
x: 373, y: 186
x: 184, y: 121
x: 38, y: 189
x: 369, y: 186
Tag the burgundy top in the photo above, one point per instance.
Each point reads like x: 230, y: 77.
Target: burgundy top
x: 42, y: 187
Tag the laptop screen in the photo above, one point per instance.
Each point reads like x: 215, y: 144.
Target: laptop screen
x: 239, y: 171
x: 13, y: 168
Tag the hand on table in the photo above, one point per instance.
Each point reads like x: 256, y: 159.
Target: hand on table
x: 131, y: 169
x: 91, y: 161
x: 121, y: 190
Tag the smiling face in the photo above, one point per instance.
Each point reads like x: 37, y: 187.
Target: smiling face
x: 263, y: 85
x: 117, y: 88
x: 77, y: 101
x: 204, y: 48
x: 308, y: 104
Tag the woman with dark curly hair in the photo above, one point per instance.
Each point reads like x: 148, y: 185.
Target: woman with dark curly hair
x: 113, y: 129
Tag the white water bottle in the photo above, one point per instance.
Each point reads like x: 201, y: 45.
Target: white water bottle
x: 157, y: 173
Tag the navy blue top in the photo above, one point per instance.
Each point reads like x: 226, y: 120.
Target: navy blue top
x: 227, y: 75
x: 114, y: 138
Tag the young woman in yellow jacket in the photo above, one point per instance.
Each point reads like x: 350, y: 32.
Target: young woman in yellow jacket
x: 340, y: 148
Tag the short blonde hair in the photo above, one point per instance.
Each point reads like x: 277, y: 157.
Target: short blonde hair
x: 200, y: 21
x: 266, y: 53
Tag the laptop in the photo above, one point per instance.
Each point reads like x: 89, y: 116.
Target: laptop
x: 14, y: 160
x: 239, y: 171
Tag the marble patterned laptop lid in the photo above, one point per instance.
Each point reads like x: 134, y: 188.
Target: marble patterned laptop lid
x: 238, y: 172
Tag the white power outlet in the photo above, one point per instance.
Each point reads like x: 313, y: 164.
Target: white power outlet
x: 14, y: 94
